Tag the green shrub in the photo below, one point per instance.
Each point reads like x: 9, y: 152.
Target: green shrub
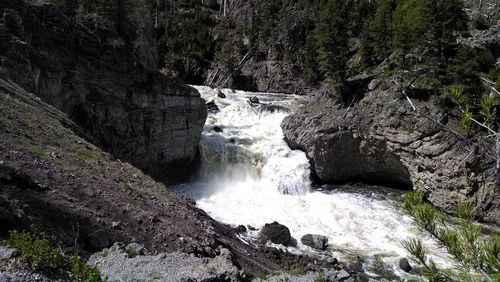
x: 37, y: 251
x: 82, y: 271
x: 41, y: 254
x: 131, y: 252
x: 297, y: 270
x: 319, y: 278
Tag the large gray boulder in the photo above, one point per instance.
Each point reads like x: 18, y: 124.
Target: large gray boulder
x: 382, y: 139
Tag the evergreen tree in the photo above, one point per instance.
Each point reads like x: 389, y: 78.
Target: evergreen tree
x: 377, y: 37
x: 331, y: 36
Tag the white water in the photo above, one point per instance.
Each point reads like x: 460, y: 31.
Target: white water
x: 250, y: 176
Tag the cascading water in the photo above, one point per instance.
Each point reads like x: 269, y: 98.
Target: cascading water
x: 250, y: 176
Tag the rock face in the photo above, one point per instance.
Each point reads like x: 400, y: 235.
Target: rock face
x: 315, y: 241
x: 381, y: 138
x: 53, y: 179
x: 276, y: 233
x: 104, y: 85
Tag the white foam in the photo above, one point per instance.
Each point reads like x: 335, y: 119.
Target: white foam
x: 250, y: 176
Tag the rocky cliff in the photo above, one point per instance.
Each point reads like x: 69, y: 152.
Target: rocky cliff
x: 104, y: 84
x: 382, y: 138
x: 53, y: 180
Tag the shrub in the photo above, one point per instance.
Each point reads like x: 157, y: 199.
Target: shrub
x: 319, y: 278
x: 82, y: 271
x: 297, y: 270
x: 37, y: 251
x: 41, y: 254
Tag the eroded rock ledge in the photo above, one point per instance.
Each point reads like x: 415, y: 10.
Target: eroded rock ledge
x: 382, y: 139
x: 103, y: 84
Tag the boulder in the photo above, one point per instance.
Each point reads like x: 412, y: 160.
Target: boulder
x: 221, y: 94
x: 7, y: 253
x: 212, y: 107
x: 276, y: 233
x: 254, y: 100
x: 373, y: 84
x: 404, y: 264
x: 217, y: 129
x: 241, y: 229
x: 315, y: 241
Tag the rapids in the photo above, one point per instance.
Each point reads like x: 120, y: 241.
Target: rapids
x: 250, y: 176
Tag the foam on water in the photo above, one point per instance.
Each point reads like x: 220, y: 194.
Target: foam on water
x: 250, y: 176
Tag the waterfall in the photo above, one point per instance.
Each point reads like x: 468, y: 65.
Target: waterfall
x: 250, y: 176
x: 244, y: 141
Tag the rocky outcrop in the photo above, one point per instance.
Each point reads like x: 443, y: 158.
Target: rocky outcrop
x: 121, y: 263
x: 381, y: 138
x: 99, y: 80
x: 53, y: 179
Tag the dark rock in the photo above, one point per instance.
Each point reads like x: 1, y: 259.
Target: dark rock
x: 13, y: 22
x: 7, y: 253
x: 357, y: 266
x: 332, y: 261
x: 212, y: 107
x: 217, y: 129
x: 241, y: 229
x: 254, y: 100
x: 404, y: 264
x: 315, y: 241
x: 221, y: 94
x: 276, y: 233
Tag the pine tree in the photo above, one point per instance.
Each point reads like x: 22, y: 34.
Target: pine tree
x: 376, y: 40
x: 331, y: 36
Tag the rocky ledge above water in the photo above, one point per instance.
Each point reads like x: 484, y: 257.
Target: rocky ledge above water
x: 382, y: 139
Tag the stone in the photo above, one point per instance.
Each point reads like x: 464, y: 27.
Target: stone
x: 315, y: 241
x: 343, y: 275
x: 254, y: 100
x: 404, y: 264
x: 241, y: 229
x: 276, y: 233
x: 373, y: 84
x: 8, y: 253
x: 217, y: 129
x: 212, y: 107
x: 221, y: 94
x: 13, y: 22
